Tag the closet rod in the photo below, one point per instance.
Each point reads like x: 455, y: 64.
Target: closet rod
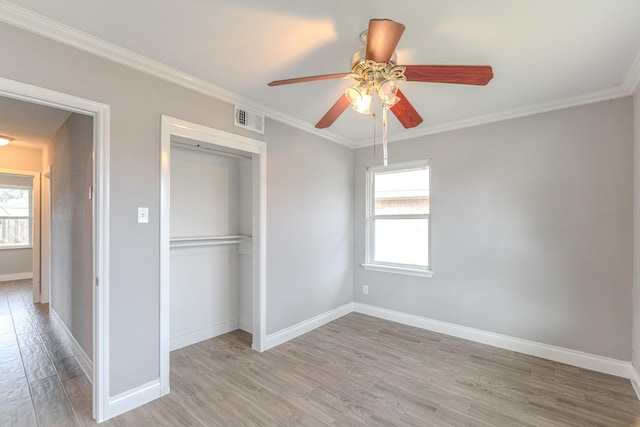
x: 198, y: 147
x: 200, y: 238
x: 187, y: 242
x: 196, y: 244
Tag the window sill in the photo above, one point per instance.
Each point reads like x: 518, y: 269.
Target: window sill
x: 398, y: 270
x: 9, y: 248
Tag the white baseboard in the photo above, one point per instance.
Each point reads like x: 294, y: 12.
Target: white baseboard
x: 203, y: 334
x: 246, y: 325
x: 83, y: 360
x: 580, y: 359
x: 291, y: 332
x: 635, y: 381
x: 16, y: 276
x: 133, y: 398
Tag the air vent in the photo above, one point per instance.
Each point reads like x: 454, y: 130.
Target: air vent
x: 249, y: 120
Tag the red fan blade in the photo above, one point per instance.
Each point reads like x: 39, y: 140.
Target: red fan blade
x: 382, y: 39
x: 308, y: 79
x: 404, y: 111
x: 333, y: 113
x: 460, y: 74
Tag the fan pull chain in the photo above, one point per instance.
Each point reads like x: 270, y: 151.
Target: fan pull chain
x: 373, y: 115
x: 385, y: 109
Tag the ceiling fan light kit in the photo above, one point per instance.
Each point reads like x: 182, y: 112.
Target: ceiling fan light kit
x: 375, y: 70
x: 5, y: 140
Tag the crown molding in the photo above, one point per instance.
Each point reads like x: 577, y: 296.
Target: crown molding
x: 30, y: 21
x: 41, y: 25
x: 632, y: 80
x: 529, y: 110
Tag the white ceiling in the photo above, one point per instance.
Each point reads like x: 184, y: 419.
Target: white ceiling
x: 546, y: 54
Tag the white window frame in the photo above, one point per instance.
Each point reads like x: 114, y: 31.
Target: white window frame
x: 30, y: 217
x: 370, y: 264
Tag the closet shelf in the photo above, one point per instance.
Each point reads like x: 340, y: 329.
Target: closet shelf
x: 182, y: 242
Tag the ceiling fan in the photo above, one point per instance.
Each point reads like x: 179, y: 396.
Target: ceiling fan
x: 376, y: 72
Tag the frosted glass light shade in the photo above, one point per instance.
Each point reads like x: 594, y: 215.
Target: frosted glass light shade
x: 5, y: 140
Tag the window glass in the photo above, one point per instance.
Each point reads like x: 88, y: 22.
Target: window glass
x: 402, y: 241
x: 404, y: 192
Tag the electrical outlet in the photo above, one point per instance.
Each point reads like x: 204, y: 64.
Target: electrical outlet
x: 365, y: 289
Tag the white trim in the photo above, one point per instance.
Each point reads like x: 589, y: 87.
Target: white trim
x: 259, y: 256
x: 580, y: 359
x: 370, y: 218
x: 635, y: 381
x: 172, y: 127
x: 421, y: 272
x: 191, y: 338
x: 83, y: 360
x: 133, y: 398
x: 13, y: 248
x: 16, y: 276
x: 308, y: 325
x: 631, y: 82
x: 101, y: 117
x: 30, y: 21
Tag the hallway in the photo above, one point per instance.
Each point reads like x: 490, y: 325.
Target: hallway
x: 41, y: 382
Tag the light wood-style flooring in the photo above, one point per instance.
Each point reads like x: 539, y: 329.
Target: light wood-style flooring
x: 357, y: 370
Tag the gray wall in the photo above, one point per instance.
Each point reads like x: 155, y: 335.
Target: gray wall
x: 531, y: 229
x: 298, y: 287
x: 636, y: 233
x: 72, y: 227
x: 309, y: 226
x: 15, y: 261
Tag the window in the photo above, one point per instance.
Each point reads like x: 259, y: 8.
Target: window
x: 398, y: 221
x: 15, y: 216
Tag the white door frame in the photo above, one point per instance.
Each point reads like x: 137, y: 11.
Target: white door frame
x: 101, y: 116
x: 258, y: 150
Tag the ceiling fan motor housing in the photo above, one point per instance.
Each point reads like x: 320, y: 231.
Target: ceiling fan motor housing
x: 359, y: 61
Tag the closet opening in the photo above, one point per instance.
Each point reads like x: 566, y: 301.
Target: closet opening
x: 212, y: 221
x: 210, y: 242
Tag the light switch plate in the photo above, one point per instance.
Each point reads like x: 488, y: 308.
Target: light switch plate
x: 143, y: 215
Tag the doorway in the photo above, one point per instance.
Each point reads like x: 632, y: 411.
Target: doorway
x: 194, y: 135
x: 99, y: 300
x: 20, y: 228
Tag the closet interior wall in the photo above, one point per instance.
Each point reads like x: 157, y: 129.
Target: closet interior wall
x: 210, y: 244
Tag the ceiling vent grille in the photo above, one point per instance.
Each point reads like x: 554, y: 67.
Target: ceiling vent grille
x: 244, y: 118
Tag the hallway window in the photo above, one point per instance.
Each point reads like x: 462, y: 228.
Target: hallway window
x: 15, y: 216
